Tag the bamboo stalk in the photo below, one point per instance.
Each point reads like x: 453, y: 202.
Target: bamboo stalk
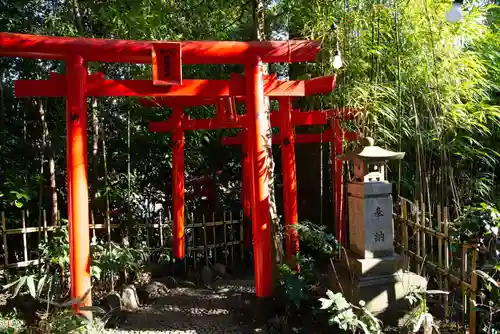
x: 5, y: 248
x: 205, y: 242
x: 160, y: 228
x: 417, y: 222
x: 225, y: 239
x: 214, y: 242
x: 423, y: 236
x: 92, y: 225
x: 25, y: 239
x: 446, y: 261
x: 242, y: 237
x: 463, y: 273
x: 440, y: 249
x: 473, y: 314
x: 45, y: 232
x: 405, y: 233
x: 231, y: 239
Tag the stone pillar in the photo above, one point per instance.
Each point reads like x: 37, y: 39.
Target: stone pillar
x: 370, y: 270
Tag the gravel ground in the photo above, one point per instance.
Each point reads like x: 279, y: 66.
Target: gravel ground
x: 190, y: 310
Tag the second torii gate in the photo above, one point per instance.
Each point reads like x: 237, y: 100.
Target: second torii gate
x: 226, y: 118
x: 287, y: 138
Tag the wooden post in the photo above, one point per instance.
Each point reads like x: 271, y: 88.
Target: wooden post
x: 417, y: 234
x: 205, y: 243
x: 214, y: 226
x: 242, y: 237
x: 423, y: 233
x: 25, y: 241
x: 4, y: 237
x: 232, y: 236
x: 474, y: 285
x: 225, y: 237
x: 446, y: 261
x: 440, y: 247
x: 45, y: 232
x: 160, y: 229
x: 178, y: 183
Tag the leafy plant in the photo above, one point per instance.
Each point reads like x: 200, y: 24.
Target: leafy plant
x: 348, y: 316
x: 422, y: 318
x: 112, y: 259
x: 477, y: 224
x: 317, y: 240
x: 490, y: 304
x: 317, y: 248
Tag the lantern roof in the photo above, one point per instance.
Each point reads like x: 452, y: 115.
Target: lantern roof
x: 373, y: 153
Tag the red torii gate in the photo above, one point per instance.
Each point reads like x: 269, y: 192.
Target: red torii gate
x: 228, y: 119
x: 287, y: 136
x: 167, y: 59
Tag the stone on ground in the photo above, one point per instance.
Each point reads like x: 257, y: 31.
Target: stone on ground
x: 219, y: 269
x: 129, y: 298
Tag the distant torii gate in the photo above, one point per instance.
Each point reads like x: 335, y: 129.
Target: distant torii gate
x: 287, y: 138
x: 167, y: 59
x: 228, y: 119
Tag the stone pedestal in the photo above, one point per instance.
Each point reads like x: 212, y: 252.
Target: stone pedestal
x: 371, y: 271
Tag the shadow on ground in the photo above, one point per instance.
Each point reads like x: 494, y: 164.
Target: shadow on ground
x: 225, y: 309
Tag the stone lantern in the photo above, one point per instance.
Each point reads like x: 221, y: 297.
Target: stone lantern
x: 370, y: 202
x: 371, y: 271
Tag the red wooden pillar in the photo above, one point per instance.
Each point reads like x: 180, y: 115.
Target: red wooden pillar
x: 246, y: 191
x: 338, y: 183
x: 260, y: 191
x: 78, y: 199
x: 178, y: 183
x: 289, y: 179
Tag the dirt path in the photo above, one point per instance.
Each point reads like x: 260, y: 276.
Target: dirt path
x: 191, y: 310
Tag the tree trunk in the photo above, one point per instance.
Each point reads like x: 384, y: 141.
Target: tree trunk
x: 259, y: 7
x: 47, y: 147
x: 95, y: 148
x: 78, y: 17
x: 41, y: 112
x: 52, y: 180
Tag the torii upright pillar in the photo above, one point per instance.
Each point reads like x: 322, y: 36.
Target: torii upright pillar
x: 289, y: 179
x: 261, y: 228
x: 76, y: 151
x: 178, y: 183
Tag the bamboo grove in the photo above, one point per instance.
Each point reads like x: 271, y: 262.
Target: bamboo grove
x: 422, y: 85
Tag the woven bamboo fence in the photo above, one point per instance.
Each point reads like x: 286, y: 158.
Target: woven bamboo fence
x: 423, y: 240
x: 209, y: 238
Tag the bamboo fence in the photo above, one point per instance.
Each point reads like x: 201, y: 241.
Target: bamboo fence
x: 210, y: 229
x: 424, y: 242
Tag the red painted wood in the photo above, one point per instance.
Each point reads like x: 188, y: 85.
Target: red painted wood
x: 246, y: 190
x: 166, y: 63
x: 300, y: 138
x: 128, y: 51
x: 289, y: 180
x: 299, y: 118
x: 263, y: 262
x: 202, y: 89
x: 178, y: 185
x: 78, y: 208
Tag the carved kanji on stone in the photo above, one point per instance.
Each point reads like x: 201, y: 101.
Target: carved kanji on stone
x: 379, y: 236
